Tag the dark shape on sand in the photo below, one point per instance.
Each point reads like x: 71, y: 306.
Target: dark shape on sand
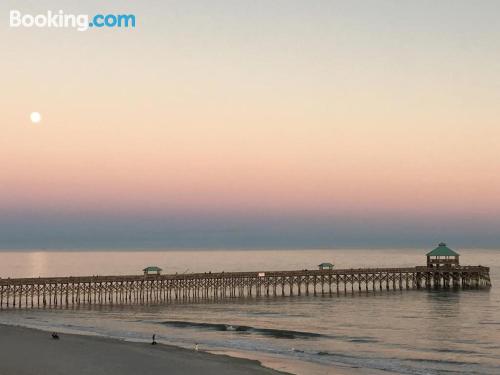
x: 55, y: 336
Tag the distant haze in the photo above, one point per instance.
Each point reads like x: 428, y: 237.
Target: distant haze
x: 258, y: 124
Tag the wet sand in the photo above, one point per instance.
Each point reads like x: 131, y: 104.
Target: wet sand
x: 25, y: 351
x: 295, y: 366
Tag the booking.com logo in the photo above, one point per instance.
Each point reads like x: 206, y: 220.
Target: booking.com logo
x: 80, y: 22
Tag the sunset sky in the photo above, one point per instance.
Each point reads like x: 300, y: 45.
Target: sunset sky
x: 253, y: 124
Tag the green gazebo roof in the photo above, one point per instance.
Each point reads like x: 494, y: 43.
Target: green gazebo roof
x: 152, y: 269
x: 442, y: 251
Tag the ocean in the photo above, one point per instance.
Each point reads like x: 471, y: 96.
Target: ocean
x: 406, y: 332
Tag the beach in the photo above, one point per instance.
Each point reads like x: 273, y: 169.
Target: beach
x: 25, y: 351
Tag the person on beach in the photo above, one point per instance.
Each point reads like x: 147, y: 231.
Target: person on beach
x: 154, y: 339
x: 196, y: 347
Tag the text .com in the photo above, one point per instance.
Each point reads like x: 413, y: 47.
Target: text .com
x: 80, y: 22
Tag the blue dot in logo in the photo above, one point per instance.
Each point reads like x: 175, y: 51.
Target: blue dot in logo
x: 91, y: 24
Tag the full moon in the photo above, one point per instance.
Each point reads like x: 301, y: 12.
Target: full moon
x: 35, y: 117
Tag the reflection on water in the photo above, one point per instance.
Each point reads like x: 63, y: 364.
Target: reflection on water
x: 38, y: 263
x: 408, y: 332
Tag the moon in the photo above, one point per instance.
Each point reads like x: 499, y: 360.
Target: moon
x: 35, y: 117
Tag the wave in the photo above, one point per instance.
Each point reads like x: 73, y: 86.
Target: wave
x: 457, y: 351
x: 276, y: 333
x: 442, y: 361
x: 413, y: 366
x: 367, y: 340
x: 416, y: 360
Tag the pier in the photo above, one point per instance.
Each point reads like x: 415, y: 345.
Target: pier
x: 442, y: 270
x: 157, y: 288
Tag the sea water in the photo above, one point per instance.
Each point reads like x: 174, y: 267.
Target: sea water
x: 406, y: 332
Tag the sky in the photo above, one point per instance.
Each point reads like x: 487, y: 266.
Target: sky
x: 253, y: 124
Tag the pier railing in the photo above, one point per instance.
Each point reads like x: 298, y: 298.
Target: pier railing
x: 129, y: 289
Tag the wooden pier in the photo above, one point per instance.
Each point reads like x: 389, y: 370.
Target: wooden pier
x: 147, y: 289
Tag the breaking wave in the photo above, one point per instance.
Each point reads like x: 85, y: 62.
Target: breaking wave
x: 276, y: 333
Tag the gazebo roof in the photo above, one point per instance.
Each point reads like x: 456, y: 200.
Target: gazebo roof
x: 152, y: 269
x: 325, y: 265
x: 442, y: 250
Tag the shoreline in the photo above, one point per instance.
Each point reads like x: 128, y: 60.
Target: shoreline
x: 298, y: 367
x: 224, y: 361
x: 29, y: 351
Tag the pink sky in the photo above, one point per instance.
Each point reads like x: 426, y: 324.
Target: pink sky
x: 323, y: 112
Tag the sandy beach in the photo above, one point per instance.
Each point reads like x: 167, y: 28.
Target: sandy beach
x: 26, y: 351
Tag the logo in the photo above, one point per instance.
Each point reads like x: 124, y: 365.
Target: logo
x: 80, y: 22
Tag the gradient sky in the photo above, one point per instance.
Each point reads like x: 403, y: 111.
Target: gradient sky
x: 253, y: 124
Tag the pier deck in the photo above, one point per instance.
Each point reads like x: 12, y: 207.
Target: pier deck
x: 138, y: 289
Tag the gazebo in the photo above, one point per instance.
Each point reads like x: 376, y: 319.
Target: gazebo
x: 325, y: 266
x: 442, y: 256
x: 152, y: 270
